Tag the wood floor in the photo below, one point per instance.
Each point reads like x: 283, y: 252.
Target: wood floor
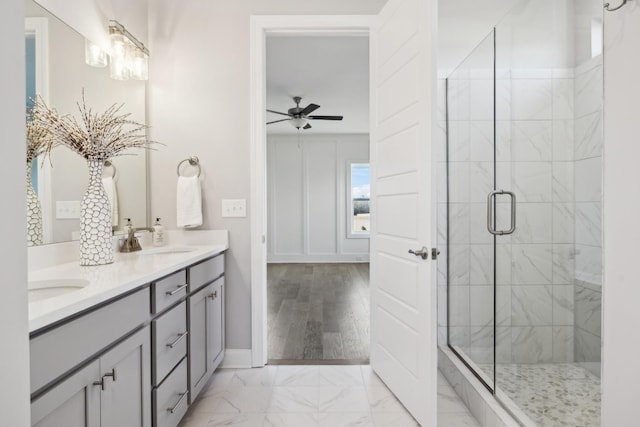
x: 318, y: 312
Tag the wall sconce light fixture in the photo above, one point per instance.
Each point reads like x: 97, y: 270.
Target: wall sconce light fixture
x: 128, y: 57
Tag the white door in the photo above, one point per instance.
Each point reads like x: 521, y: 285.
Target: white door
x: 403, y: 303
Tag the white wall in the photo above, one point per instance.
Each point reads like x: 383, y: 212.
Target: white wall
x: 14, y: 351
x: 307, y: 198
x: 621, y: 371
x: 200, y: 105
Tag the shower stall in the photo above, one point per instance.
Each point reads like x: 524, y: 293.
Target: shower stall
x: 520, y: 212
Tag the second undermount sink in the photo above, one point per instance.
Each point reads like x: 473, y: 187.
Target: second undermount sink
x: 168, y: 250
x: 44, y: 289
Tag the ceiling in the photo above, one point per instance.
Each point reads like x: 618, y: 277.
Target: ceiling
x: 330, y: 71
x: 333, y: 71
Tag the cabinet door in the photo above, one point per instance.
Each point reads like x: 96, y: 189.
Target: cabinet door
x: 199, y: 307
x: 216, y: 324
x: 74, y: 402
x: 125, y: 370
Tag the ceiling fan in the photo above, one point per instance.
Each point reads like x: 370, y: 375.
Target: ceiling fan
x: 299, y: 117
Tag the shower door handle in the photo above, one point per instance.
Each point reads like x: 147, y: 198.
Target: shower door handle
x: 490, y: 203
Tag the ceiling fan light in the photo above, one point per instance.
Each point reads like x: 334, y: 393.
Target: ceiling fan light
x: 298, y: 122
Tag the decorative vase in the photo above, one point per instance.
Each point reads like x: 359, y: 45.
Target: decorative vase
x: 96, y: 247
x: 34, y: 212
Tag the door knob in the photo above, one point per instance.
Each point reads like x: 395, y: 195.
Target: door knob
x: 422, y: 253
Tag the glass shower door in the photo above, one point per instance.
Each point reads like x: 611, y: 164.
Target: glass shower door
x: 548, y: 153
x: 470, y: 173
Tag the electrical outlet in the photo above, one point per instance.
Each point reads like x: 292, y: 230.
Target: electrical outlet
x: 234, y: 208
x: 68, y: 209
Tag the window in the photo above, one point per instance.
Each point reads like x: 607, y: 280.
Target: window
x: 358, y: 216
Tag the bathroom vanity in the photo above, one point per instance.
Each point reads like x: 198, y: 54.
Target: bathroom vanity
x: 133, y: 343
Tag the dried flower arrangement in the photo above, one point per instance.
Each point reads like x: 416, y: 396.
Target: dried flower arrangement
x: 39, y: 138
x: 98, y: 137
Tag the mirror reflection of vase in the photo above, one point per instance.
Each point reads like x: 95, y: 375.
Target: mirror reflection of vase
x: 96, y: 247
x: 34, y: 212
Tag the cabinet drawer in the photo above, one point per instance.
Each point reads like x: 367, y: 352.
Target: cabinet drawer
x: 57, y: 351
x: 169, y: 341
x: 205, y: 272
x: 170, y: 400
x: 168, y: 290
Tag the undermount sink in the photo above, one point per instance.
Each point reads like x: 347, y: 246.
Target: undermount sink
x: 43, y: 289
x: 167, y: 251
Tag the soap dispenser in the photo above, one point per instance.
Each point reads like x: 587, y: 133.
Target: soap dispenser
x: 158, y: 233
x: 128, y: 226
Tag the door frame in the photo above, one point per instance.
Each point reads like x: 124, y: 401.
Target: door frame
x: 260, y: 26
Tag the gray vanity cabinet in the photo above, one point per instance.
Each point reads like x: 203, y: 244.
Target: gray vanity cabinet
x: 126, y: 378
x: 75, y: 402
x: 206, y: 340
x: 111, y: 391
x: 138, y: 360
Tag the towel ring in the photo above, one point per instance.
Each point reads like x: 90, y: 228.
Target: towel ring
x: 193, y: 161
x: 108, y: 163
x: 608, y: 8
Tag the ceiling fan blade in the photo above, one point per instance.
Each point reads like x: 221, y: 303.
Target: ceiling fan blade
x: 278, y: 112
x: 278, y: 121
x: 325, y: 117
x: 309, y: 109
x: 308, y: 126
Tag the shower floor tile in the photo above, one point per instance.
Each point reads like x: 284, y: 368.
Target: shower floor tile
x: 559, y: 394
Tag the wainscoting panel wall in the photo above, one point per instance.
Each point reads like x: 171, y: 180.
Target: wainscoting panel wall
x: 307, y: 197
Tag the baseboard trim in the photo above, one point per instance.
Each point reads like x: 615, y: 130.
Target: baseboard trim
x: 317, y: 259
x: 236, y: 358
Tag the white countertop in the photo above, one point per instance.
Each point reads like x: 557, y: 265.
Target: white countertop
x: 129, y: 271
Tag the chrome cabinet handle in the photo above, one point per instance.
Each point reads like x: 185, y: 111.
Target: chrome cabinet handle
x: 422, y: 253
x: 175, y: 343
x: 490, y: 214
x: 214, y: 295
x: 176, y: 290
x: 182, y: 397
x: 102, y: 384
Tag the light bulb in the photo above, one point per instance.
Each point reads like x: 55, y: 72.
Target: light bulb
x: 119, y: 66
x: 298, y: 122
x: 139, y: 65
x: 94, y: 55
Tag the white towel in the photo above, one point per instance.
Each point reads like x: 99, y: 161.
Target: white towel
x: 112, y: 193
x: 189, y: 202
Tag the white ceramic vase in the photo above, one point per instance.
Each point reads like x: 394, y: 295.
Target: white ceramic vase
x: 34, y: 212
x: 96, y: 247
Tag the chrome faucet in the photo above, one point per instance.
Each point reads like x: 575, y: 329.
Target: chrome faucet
x: 131, y: 243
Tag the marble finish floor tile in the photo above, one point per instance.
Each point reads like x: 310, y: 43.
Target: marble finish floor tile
x: 345, y: 419
x: 340, y: 375
x: 311, y: 396
x: 343, y: 399
x: 291, y: 420
x: 294, y: 399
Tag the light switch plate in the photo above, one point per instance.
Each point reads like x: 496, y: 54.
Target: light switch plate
x: 68, y: 209
x: 234, y: 208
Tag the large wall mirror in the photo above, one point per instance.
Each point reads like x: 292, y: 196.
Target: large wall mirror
x: 56, y: 70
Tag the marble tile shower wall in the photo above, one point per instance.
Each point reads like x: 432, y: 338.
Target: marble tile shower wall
x: 588, y: 214
x: 536, y: 266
